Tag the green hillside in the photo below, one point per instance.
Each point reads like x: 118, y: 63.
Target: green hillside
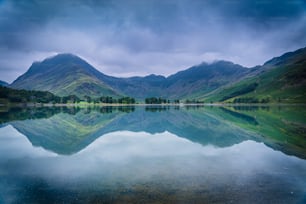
x: 64, y: 75
x: 280, y: 80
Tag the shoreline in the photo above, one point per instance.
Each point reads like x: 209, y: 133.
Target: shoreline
x: 33, y: 105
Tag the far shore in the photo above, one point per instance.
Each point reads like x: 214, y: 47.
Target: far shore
x: 144, y: 104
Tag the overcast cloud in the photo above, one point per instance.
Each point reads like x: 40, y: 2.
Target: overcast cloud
x: 140, y: 37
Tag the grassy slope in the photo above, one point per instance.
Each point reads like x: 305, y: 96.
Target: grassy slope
x: 64, y: 75
x: 77, y: 83
x: 82, y: 84
x: 283, y: 82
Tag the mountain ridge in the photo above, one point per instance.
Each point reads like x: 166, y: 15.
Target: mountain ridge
x: 66, y: 74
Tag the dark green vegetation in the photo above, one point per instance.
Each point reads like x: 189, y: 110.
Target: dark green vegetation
x: 69, y: 130
x: 110, y: 100
x: 280, y: 80
x: 8, y: 96
x: 154, y: 100
x: 159, y: 100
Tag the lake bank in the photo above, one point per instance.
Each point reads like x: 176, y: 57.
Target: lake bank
x: 144, y: 104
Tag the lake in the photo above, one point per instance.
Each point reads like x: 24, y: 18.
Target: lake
x: 153, y: 154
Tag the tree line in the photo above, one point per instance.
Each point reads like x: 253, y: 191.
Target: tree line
x: 9, y: 95
x: 159, y: 100
x: 110, y: 100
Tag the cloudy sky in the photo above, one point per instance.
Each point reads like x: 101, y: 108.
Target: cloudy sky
x: 140, y: 37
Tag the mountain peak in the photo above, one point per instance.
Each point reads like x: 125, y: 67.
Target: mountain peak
x: 63, y: 57
x: 287, y: 57
x: 64, y: 74
x: 154, y: 76
x: 223, y: 62
x: 216, y: 63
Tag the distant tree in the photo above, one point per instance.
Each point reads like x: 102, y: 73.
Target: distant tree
x: 154, y: 100
x: 88, y: 99
x: 24, y: 96
x: 126, y: 100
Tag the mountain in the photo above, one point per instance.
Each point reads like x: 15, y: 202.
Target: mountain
x: 281, y: 79
x: 67, y: 74
x: 203, y: 78
x: 193, y: 81
x: 3, y: 83
x: 64, y: 74
x: 138, y: 87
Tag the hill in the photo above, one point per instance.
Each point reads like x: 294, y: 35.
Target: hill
x: 281, y: 79
x: 191, y: 82
x: 63, y: 75
x: 203, y: 78
x: 138, y: 87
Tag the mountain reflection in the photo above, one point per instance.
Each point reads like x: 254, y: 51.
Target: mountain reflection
x: 68, y: 130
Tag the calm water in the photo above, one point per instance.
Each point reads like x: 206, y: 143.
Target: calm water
x: 153, y: 155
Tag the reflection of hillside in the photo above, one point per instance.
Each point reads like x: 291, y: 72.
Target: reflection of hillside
x: 66, y: 130
x: 194, y: 125
x: 65, y: 133
x: 281, y: 127
x: 71, y: 130
x: 18, y: 113
x: 245, y: 118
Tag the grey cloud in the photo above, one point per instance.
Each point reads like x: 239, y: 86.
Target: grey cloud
x: 142, y: 37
